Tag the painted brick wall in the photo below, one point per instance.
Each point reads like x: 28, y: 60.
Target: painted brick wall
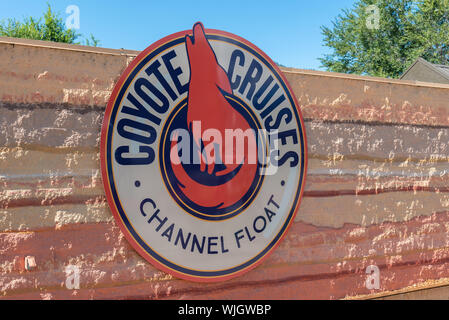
x: 377, y: 188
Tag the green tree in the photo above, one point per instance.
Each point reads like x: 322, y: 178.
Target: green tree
x: 406, y: 30
x: 50, y: 27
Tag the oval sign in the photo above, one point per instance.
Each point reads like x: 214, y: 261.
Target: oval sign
x: 203, y: 154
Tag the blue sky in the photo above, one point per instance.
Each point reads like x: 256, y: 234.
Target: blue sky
x: 288, y: 31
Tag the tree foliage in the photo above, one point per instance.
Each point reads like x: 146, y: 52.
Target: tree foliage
x: 406, y: 30
x: 50, y: 27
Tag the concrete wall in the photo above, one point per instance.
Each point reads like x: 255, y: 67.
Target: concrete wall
x: 377, y: 187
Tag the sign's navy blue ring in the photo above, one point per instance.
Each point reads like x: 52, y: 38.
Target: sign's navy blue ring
x: 128, y: 225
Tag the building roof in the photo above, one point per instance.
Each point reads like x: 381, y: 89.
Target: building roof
x: 422, y: 70
x: 444, y: 69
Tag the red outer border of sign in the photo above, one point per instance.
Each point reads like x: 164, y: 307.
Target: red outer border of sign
x: 110, y: 199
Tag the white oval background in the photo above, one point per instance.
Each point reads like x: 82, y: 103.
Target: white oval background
x: 152, y: 185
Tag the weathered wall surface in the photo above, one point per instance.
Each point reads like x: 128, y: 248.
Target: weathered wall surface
x: 377, y: 187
